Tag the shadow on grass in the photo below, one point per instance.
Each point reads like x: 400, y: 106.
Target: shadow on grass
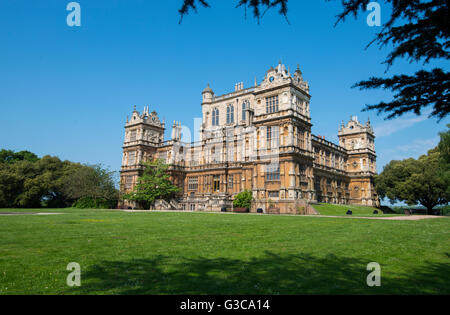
x: 269, y: 274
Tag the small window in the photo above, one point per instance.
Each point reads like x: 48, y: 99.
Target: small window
x: 215, y: 117
x: 273, y: 137
x: 193, y: 183
x: 230, y: 114
x: 133, y: 136
x: 131, y: 158
x: 216, y: 183
x: 273, y: 172
x: 274, y: 194
x: 272, y: 104
x: 245, y: 106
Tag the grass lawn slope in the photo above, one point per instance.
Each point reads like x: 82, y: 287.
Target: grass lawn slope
x: 213, y: 253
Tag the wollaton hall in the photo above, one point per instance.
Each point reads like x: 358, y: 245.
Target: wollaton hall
x: 257, y: 139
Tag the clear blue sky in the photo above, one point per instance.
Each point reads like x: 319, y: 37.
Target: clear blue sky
x: 67, y: 91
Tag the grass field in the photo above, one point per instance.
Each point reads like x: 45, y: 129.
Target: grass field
x: 203, y: 253
x: 333, y: 209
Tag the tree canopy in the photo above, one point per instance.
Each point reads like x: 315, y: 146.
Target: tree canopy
x: 419, y: 32
x: 9, y: 156
x: 27, y: 181
x: 154, y: 184
x: 243, y: 199
x: 423, y: 181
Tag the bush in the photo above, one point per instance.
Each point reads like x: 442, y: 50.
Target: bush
x: 243, y: 200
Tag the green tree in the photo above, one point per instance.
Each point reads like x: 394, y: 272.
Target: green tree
x: 91, y: 186
x: 444, y: 146
x: 444, y: 163
x: 9, y: 156
x: 29, y: 182
x: 419, y: 32
x: 414, y: 181
x: 10, y: 186
x: 416, y: 30
x: 243, y: 199
x: 154, y: 184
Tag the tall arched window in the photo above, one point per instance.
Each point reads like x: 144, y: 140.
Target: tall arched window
x: 230, y: 114
x: 245, y: 106
x: 215, y: 117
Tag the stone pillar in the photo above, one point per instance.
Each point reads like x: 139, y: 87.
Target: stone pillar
x: 290, y: 135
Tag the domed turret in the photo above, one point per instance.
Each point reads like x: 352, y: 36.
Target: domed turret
x: 208, y: 95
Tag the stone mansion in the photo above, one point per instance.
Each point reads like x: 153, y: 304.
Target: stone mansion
x: 257, y: 139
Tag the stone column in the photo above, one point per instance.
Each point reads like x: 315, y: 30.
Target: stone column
x: 290, y: 135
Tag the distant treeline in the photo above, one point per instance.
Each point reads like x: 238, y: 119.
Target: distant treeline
x: 27, y: 181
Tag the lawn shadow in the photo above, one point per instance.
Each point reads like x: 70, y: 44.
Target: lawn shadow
x: 268, y: 274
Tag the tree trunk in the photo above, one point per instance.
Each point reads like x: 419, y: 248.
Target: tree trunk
x: 430, y: 211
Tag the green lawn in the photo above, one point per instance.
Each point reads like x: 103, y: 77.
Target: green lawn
x: 333, y: 209
x: 202, y: 253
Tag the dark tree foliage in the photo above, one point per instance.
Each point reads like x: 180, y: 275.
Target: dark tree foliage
x: 418, y: 31
x: 27, y: 181
x: 414, y: 181
x: 259, y: 7
x: 9, y: 156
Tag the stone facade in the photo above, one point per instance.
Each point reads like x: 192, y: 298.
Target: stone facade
x: 257, y: 139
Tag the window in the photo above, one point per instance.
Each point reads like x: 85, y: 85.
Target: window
x: 272, y: 104
x: 193, y: 183
x: 273, y: 137
x: 273, y: 172
x: 230, y: 181
x: 245, y: 106
x: 274, y: 194
x: 216, y: 183
x: 301, y: 137
x: 230, y: 114
x: 131, y: 158
x: 133, y: 135
x: 215, y: 117
x: 128, y: 182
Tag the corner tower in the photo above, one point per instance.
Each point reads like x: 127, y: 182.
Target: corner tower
x: 359, y: 141
x: 144, y: 133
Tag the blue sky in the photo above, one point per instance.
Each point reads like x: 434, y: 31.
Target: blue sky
x: 67, y: 91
